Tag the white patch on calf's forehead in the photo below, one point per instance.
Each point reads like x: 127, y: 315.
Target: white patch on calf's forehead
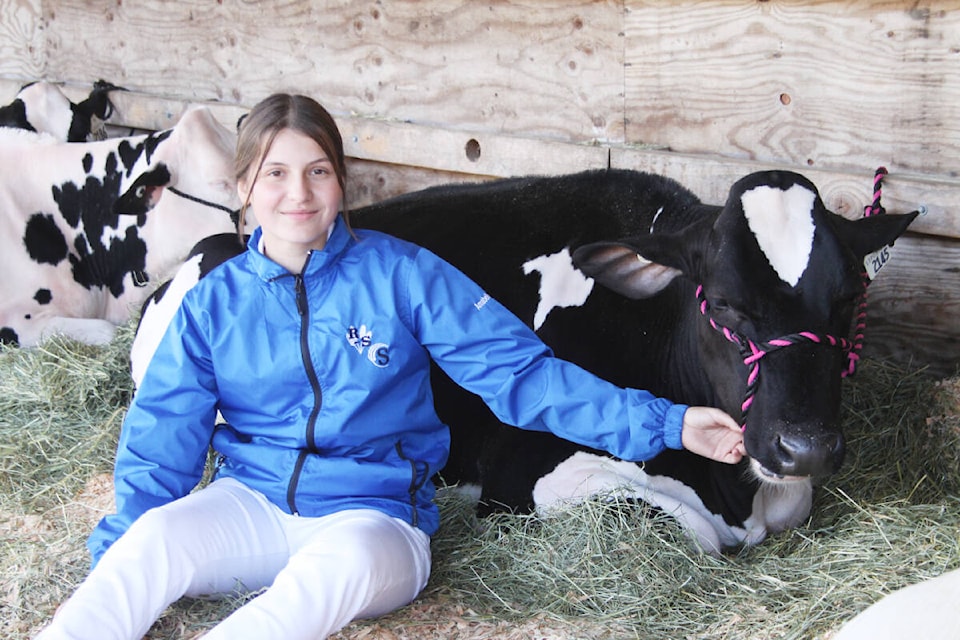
x: 782, y: 222
x: 561, y: 284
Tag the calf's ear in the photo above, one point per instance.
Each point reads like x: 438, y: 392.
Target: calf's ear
x: 641, y: 266
x: 866, y: 235
x: 618, y: 266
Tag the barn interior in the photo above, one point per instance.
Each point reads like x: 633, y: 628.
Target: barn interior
x: 433, y: 92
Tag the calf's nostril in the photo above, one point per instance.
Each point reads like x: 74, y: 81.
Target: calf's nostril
x: 785, y: 452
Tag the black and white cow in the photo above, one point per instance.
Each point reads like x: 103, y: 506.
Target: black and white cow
x: 88, y: 229
x: 159, y: 307
x: 42, y: 107
x: 630, y: 276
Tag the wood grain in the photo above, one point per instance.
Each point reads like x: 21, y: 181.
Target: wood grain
x: 914, y: 304
x: 22, y: 54
x: 551, y: 69
x: 817, y: 84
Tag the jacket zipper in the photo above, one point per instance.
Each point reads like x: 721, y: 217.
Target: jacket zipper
x: 303, y: 309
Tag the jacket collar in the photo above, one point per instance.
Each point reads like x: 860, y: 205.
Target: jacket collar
x: 317, y: 261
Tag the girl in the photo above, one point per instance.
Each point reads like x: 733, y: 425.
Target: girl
x: 315, y: 346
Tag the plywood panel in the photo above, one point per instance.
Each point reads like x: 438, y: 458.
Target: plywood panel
x: 466, y: 152
x: 914, y: 304
x: 546, y: 68
x: 462, y: 153
x: 370, y: 182
x: 848, y: 85
x: 417, y: 82
x: 21, y: 41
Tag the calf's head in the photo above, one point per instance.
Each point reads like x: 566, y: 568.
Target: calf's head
x: 777, y: 279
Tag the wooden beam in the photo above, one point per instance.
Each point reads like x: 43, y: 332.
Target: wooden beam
x: 845, y: 192
x: 491, y: 154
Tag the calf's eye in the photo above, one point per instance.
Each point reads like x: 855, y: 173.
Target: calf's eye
x: 719, y: 305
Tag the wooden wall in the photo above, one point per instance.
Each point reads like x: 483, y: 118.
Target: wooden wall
x: 701, y: 90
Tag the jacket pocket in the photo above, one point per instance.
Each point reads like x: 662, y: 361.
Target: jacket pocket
x: 419, y: 475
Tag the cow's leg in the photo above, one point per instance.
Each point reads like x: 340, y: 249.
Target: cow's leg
x: 585, y: 475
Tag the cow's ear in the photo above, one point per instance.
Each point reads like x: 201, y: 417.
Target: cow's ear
x: 641, y: 266
x: 866, y: 235
x: 618, y: 266
x: 144, y: 193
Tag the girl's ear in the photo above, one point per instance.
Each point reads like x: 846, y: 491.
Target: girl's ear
x: 242, y: 189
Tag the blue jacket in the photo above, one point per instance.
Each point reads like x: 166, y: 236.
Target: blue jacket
x: 323, y: 380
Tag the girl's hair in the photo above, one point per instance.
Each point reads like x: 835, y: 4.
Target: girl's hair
x: 258, y: 129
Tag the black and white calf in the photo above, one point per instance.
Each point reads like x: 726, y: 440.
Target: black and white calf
x: 159, y: 307
x: 88, y: 229
x: 741, y: 306
x: 630, y: 276
x: 42, y: 107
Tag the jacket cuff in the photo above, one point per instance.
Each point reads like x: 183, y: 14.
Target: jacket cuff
x: 673, y: 426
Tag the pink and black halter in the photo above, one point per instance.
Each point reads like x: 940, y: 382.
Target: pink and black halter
x: 753, y: 352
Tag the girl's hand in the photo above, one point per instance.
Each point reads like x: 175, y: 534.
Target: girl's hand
x: 712, y: 433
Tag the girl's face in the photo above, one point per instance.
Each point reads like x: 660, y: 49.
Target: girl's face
x: 295, y: 197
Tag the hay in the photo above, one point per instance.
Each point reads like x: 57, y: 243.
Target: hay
x: 61, y: 406
x: 603, y: 569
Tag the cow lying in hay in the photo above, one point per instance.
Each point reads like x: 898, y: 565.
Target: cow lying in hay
x: 744, y: 306
x: 86, y: 227
x: 42, y: 107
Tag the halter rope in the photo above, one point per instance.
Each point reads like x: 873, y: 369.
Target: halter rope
x: 753, y: 352
x: 872, y: 209
x: 140, y: 277
x: 234, y: 213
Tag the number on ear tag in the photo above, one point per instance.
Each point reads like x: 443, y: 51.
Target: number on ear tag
x: 875, y: 261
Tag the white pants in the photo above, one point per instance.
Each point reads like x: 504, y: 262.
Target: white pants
x: 224, y: 539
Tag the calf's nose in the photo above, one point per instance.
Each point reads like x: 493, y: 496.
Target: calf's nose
x: 806, y: 455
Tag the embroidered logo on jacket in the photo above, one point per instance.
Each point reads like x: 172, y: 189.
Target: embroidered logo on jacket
x: 362, y: 340
x: 482, y: 302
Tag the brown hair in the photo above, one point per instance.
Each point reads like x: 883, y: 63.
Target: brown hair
x: 279, y: 111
